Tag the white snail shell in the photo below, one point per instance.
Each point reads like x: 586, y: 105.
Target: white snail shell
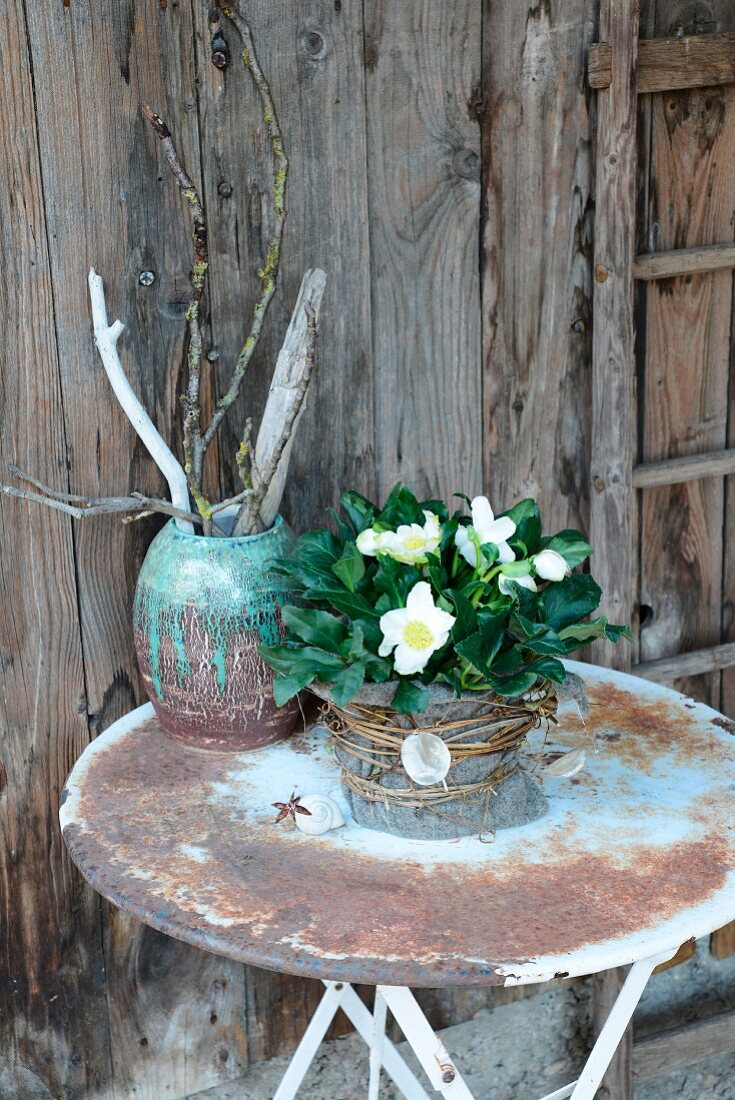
x: 426, y: 758
x: 324, y: 814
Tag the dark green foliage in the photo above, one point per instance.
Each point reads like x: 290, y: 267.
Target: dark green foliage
x: 501, y: 640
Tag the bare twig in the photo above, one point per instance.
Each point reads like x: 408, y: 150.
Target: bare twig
x: 231, y: 501
x: 268, y: 273
x: 244, y: 456
x: 106, y: 337
x: 265, y: 476
x: 95, y: 506
x: 193, y: 447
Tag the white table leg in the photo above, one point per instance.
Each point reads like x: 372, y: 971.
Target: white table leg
x: 341, y: 995
x: 585, y: 1088
x: 425, y: 1043
x: 377, y: 1045
x: 309, y: 1045
x: 429, y: 1049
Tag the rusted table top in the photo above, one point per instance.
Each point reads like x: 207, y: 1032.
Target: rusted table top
x: 636, y: 855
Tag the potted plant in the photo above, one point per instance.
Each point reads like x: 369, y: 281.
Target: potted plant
x: 436, y: 641
x: 206, y: 596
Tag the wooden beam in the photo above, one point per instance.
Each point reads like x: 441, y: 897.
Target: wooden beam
x: 664, y: 670
x: 613, y: 352
x: 673, y: 471
x: 670, y: 64
x: 722, y: 942
x: 678, y: 1047
x: 613, y: 400
x: 684, y: 261
x: 687, y: 951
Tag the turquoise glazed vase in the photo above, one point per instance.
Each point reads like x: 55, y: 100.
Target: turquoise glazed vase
x: 202, y: 607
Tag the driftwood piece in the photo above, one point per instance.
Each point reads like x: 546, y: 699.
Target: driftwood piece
x: 285, y: 394
x: 106, y: 337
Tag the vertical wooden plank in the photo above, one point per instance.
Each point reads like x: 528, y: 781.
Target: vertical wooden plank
x: 612, y: 523
x: 537, y: 255
x: 175, y: 1013
x: 423, y: 72
x: 54, y: 1033
x: 613, y: 353
x: 688, y: 328
x: 312, y: 54
x: 723, y: 940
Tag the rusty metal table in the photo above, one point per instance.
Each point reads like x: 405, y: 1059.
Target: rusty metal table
x: 636, y: 856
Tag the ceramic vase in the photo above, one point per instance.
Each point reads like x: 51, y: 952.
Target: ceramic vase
x: 202, y: 607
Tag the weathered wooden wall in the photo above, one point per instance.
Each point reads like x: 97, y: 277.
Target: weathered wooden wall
x: 442, y: 174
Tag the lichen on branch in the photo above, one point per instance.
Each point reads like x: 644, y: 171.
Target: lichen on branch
x: 268, y: 273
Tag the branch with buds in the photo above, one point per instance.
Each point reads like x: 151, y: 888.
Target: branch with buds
x: 262, y: 466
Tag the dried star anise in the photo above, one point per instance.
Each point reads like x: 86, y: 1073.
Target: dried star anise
x: 290, y: 808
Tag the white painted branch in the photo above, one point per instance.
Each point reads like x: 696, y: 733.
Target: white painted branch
x: 106, y: 337
x: 284, y: 392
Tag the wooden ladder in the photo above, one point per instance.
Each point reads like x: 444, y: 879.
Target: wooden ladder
x: 621, y: 68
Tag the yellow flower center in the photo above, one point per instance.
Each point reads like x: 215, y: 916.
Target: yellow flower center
x: 415, y: 542
x: 417, y: 635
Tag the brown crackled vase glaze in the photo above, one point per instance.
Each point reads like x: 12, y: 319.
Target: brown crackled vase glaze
x: 202, y: 607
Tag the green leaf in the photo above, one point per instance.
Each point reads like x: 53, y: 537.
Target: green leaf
x: 400, y: 507
x: 481, y: 647
x: 410, y: 698
x: 318, y: 628
x: 347, y: 683
x: 549, y: 668
x: 572, y: 546
x: 527, y: 518
x: 580, y: 634
x: 345, y: 531
x: 351, y: 604
x: 378, y: 669
x: 396, y: 579
x: 318, y: 550
x: 350, y: 568
x: 489, y: 552
x: 520, y: 627
x: 466, y: 616
x: 285, y: 687
x: 570, y: 600
x: 354, y: 646
x: 549, y: 643
x: 289, y: 660
x: 359, y: 510
x: 508, y: 663
x: 513, y: 685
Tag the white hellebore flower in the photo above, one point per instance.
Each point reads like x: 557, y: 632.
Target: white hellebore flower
x: 371, y: 542
x: 550, y: 566
x: 488, y: 529
x: 412, y: 543
x: 415, y: 631
x: 505, y: 584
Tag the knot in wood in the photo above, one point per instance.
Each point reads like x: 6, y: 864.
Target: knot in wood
x: 466, y: 164
x: 313, y: 45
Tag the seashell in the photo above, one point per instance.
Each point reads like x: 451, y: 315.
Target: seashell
x: 568, y: 764
x: 426, y: 758
x: 324, y: 814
